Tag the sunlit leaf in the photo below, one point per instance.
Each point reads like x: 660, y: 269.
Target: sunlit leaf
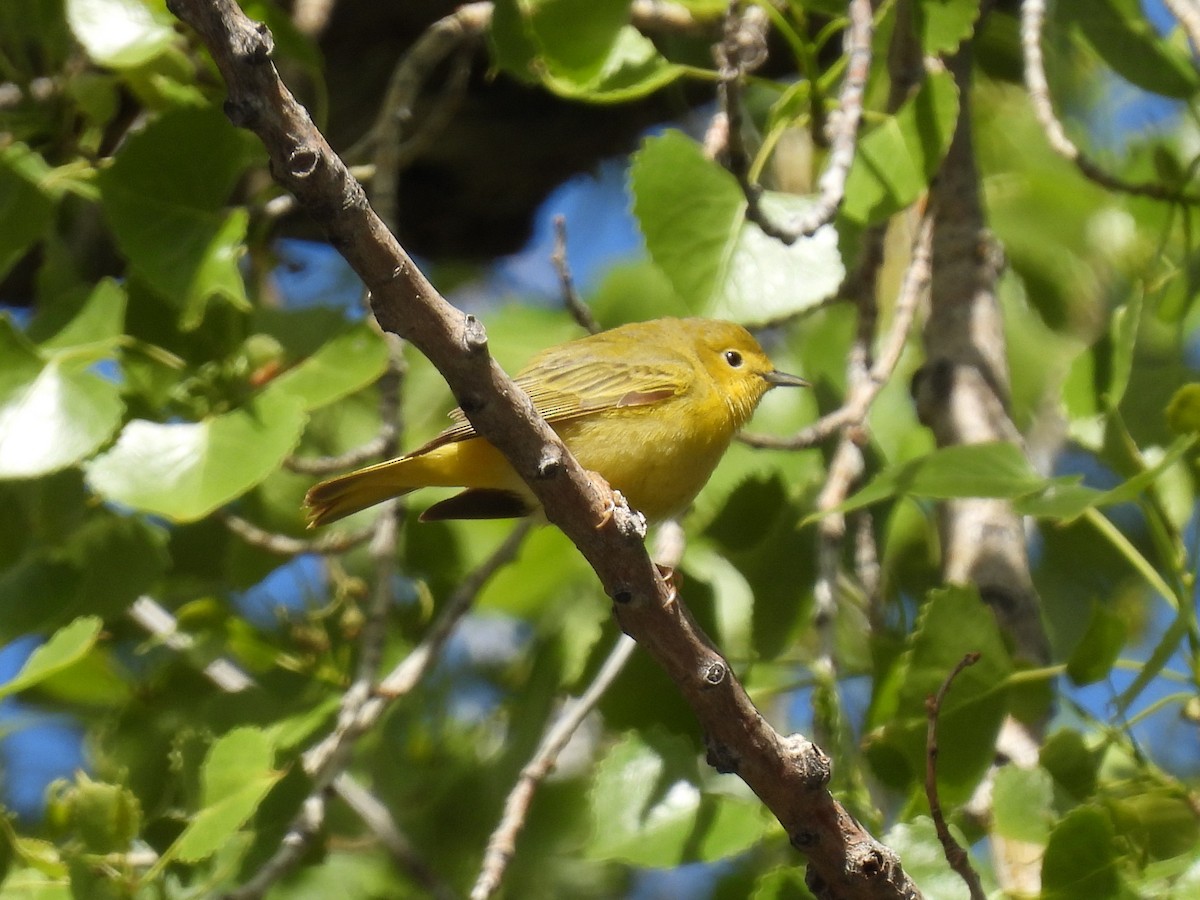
x: 944, y: 24
x: 54, y: 411
x: 995, y: 469
x: 953, y: 623
x: 120, y: 33
x: 692, y: 214
x: 343, y: 365
x: 649, y: 809
x: 65, y: 647
x: 236, y: 776
x: 183, y: 471
x: 896, y: 159
x: 171, y: 220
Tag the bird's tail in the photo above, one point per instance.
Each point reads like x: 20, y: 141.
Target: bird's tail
x: 347, y: 494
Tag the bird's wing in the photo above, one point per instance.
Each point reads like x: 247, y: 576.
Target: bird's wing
x: 563, y: 387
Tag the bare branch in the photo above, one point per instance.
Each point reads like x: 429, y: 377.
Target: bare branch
x: 324, y: 465
x: 1033, y: 14
x: 502, y: 844
x: 790, y: 774
x: 386, y: 142
x: 286, y: 545
x: 376, y: 816
x: 853, y: 412
x: 842, y: 133
x: 571, y: 299
x: 959, y: 861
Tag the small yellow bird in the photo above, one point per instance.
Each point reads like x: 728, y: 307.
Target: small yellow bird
x: 650, y: 406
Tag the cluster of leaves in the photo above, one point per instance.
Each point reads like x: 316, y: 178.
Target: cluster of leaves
x: 158, y: 383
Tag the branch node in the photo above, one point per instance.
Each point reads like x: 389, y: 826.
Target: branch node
x: 550, y: 463
x: 714, y: 673
x: 721, y: 757
x: 804, y: 840
x: 474, y: 336
x: 809, y: 760
x: 260, y: 44
x: 622, y: 596
x: 240, y: 113
x: 303, y: 162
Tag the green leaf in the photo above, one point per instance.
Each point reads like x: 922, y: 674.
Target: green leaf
x: 25, y: 210
x: 184, y: 471
x: 783, y: 883
x: 944, y: 24
x: 1183, y: 412
x: 1160, y: 820
x: 1093, y: 657
x: 1124, y: 37
x: 343, y: 365
x: 1081, y: 858
x: 575, y: 42
x: 53, y: 412
x: 649, y: 810
x: 1124, y: 329
x: 924, y: 861
x: 1067, y: 501
x: 692, y: 214
x: 632, y: 69
x: 1071, y: 763
x: 954, y: 622
x: 688, y: 209
x: 97, y: 323
x: 896, y: 160
x: 996, y: 469
x: 766, y: 280
x: 65, y: 647
x: 121, y: 34
x: 1023, y: 804
x: 236, y: 776
x: 170, y: 220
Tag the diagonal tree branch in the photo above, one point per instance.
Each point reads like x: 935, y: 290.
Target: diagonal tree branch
x: 789, y: 774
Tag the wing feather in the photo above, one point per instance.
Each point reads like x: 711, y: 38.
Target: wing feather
x: 564, y: 384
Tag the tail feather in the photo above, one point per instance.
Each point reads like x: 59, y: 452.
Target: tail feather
x: 347, y: 494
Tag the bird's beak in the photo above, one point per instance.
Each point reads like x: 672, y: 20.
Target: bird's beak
x: 775, y: 378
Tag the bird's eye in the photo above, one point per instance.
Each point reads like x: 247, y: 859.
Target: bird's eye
x: 733, y: 358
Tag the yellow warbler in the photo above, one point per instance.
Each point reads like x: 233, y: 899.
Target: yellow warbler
x: 650, y: 406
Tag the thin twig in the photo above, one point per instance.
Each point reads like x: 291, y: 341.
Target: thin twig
x: 575, y: 306
x: 955, y: 854
x: 159, y: 622
x: 325, y: 761
x: 853, y: 412
x: 1033, y: 14
x: 842, y: 126
x: 383, y: 549
x: 390, y: 149
x: 379, y: 819
x: 502, y: 844
x: 352, y: 459
x: 405, y: 676
x: 286, y: 545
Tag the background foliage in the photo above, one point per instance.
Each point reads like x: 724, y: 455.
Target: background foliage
x: 160, y: 373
